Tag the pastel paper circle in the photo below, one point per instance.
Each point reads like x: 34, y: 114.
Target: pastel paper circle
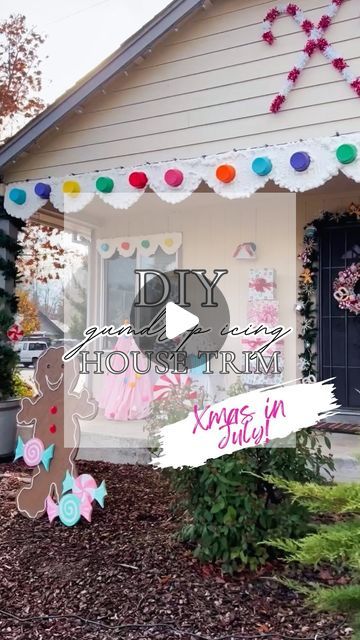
x: 83, y: 487
x: 42, y: 190
x: 71, y: 187
x: 69, y: 509
x: 18, y: 196
x: 168, y: 242
x: 105, y: 247
x: 174, y: 177
x: 33, y: 452
x: 346, y: 153
x: 125, y: 246
x: 300, y: 161
x: 138, y: 179
x: 145, y: 244
x: 261, y: 166
x: 105, y: 184
x: 225, y: 173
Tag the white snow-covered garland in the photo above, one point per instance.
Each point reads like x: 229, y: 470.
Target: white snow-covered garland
x: 295, y: 166
x: 316, y: 41
x: 344, y: 288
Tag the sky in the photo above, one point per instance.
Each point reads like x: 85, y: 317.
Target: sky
x: 80, y: 33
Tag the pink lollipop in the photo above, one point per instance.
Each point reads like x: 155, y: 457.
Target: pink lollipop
x: 33, y: 452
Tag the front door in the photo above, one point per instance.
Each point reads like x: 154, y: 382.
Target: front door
x: 339, y: 330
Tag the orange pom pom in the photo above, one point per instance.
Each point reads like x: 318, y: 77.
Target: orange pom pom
x: 226, y: 173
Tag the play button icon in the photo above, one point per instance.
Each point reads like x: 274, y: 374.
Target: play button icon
x: 180, y: 311
x: 178, y: 320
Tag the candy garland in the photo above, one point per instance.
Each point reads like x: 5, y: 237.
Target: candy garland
x: 344, y: 288
x: 147, y: 245
x: 306, y: 305
x: 296, y: 166
x: 316, y: 41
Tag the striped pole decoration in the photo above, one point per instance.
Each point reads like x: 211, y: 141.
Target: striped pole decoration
x: 316, y: 41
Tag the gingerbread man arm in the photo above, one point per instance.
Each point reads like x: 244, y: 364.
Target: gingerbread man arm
x: 84, y: 408
x: 28, y: 412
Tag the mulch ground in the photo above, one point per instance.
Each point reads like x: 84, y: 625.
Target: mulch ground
x: 128, y: 574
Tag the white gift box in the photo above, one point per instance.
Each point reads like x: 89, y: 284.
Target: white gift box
x: 262, y: 284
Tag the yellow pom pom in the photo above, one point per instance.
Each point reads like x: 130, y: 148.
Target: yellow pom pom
x: 71, y: 187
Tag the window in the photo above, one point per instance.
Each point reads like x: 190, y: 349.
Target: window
x: 120, y: 281
x: 37, y: 346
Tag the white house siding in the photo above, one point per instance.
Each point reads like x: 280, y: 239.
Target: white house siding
x: 207, y: 88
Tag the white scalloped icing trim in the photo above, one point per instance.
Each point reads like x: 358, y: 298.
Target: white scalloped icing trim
x: 170, y: 243
x: 323, y: 167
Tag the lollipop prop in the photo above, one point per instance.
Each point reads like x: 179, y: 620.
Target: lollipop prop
x: 34, y: 452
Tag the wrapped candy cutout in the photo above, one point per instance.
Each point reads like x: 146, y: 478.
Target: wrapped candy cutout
x: 84, y: 487
x: 34, y: 452
x: 69, y: 510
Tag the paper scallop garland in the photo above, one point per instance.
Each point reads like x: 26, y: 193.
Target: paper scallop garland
x: 298, y: 166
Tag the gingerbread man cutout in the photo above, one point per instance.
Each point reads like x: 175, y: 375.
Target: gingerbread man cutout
x: 56, y: 382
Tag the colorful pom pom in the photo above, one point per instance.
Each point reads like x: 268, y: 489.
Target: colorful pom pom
x: 225, y: 173
x: 300, y: 161
x: 138, y: 179
x: 346, y: 153
x: 145, y: 244
x: 105, y: 247
x: 125, y: 246
x: 42, y: 190
x: 105, y: 184
x: 261, y: 166
x: 174, y: 177
x: 168, y: 242
x: 18, y: 196
x: 71, y: 187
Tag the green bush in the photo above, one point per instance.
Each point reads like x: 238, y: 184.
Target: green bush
x: 338, y: 543
x: 21, y: 389
x: 228, y: 507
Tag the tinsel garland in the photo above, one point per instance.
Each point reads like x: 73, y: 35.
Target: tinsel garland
x: 308, y: 281
x: 8, y: 306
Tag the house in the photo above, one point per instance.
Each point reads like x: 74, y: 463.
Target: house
x: 219, y: 123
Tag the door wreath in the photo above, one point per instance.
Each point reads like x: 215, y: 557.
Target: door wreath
x: 344, y: 288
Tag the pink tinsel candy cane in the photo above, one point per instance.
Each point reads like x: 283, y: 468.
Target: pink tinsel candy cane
x: 316, y: 41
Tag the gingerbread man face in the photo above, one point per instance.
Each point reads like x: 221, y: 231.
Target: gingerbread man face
x: 50, y: 369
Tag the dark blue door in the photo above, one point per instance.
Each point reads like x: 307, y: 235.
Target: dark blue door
x: 339, y: 330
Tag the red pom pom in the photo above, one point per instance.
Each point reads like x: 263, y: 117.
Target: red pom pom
x: 268, y: 37
x: 292, y: 9
x: 138, y: 179
x: 53, y: 410
x: 322, y: 44
x: 310, y: 47
x: 356, y: 85
x: 339, y: 64
x: 294, y: 74
x: 277, y: 103
x: 307, y: 26
x: 52, y: 428
x: 324, y: 22
x: 272, y: 15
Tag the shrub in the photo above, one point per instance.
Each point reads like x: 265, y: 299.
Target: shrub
x: 338, y: 543
x: 21, y: 388
x: 228, y: 505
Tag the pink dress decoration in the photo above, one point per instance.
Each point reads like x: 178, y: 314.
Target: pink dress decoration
x: 126, y: 396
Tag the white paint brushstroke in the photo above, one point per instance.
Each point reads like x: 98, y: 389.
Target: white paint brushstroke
x: 186, y: 443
